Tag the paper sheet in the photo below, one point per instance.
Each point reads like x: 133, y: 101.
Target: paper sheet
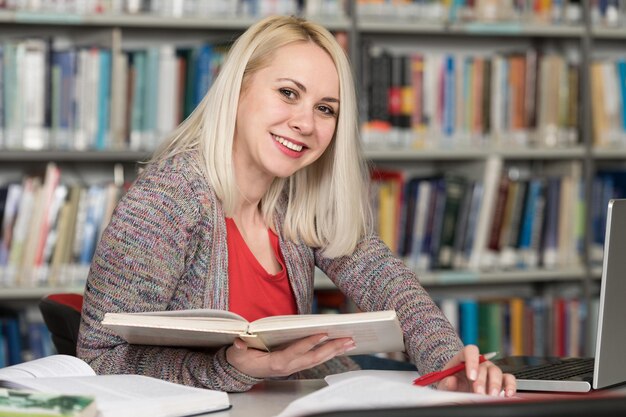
x: 371, y: 392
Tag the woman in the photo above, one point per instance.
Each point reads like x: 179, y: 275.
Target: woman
x: 261, y: 183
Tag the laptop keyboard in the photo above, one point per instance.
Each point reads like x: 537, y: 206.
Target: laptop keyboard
x: 563, y: 370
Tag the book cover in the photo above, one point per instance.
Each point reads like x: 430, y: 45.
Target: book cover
x: 436, y: 225
x: 468, y: 312
x: 16, y: 403
x: 517, y: 319
x: 463, y: 257
x: 103, y: 116
x: 462, y: 224
x: 490, y: 326
x: 455, y: 191
x: 419, y: 226
x: 549, y: 256
x: 491, y: 178
x: 373, y: 332
x: 120, y: 86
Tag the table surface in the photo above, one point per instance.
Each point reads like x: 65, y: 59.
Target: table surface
x: 269, y: 398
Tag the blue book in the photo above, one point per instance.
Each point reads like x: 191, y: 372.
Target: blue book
x: 539, y: 323
x: 468, y: 310
x: 11, y: 330
x: 408, y: 213
x: 35, y: 342
x: 203, y: 71
x: 104, y: 96
x: 528, y: 217
x: 449, y: 100
x: 621, y: 71
x: 95, y: 211
x: 3, y: 349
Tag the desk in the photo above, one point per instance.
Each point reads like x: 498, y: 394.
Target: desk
x: 271, y: 397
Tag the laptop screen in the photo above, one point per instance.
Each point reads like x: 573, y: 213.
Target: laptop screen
x: 610, y: 366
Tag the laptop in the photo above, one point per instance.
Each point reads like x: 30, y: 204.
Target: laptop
x: 608, y: 366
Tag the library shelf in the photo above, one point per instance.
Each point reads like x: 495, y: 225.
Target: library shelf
x: 457, y: 277
x: 74, y: 156
x: 510, y: 29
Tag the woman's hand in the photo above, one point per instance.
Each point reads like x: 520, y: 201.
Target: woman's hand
x: 484, y: 378
x: 299, y: 355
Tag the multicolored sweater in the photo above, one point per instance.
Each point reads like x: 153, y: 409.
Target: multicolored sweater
x: 165, y: 249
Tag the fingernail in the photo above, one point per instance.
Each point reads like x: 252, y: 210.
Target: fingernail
x: 495, y: 392
x: 473, y: 375
x: 480, y: 390
x: 510, y: 393
x: 348, y: 346
x: 502, y: 394
x: 323, y: 339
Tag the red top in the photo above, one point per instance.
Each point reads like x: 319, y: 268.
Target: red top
x: 252, y: 292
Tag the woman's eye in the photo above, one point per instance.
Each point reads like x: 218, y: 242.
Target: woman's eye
x: 327, y: 110
x: 288, y: 93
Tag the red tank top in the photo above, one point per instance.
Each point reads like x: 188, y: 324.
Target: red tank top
x: 252, y: 292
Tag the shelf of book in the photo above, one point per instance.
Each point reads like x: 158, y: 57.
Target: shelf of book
x: 609, y: 153
x: 608, y: 32
x: 106, y: 156
x: 154, y: 21
x: 510, y: 29
x: 75, y: 282
x: 379, y: 154
x: 35, y: 293
x: 452, y: 278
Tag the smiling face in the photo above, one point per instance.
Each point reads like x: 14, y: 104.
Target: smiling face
x: 287, y: 113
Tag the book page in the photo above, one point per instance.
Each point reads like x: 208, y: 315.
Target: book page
x: 368, y: 392
x: 55, y: 365
x: 300, y: 320
x: 372, y: 332
x: 134, y: 395
x: 200, y: 312
x: 405, y: 377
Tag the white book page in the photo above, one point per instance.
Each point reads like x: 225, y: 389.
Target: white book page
x: 369, y: 392
x: 113, y: 320
x: 200, y: 312
x: 305, y: 320
x: 372, y: 332
x: 134, y: 395
x: 50, y: 366
x: 405, y: 377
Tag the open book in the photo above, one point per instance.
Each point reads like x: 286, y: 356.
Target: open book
x: 375, y: 389
x: 373, y: 332
x: 116, y: 395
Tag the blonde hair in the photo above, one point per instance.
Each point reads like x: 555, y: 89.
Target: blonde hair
x: 327, y: 203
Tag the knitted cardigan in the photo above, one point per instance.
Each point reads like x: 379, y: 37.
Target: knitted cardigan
x: 165, y: 249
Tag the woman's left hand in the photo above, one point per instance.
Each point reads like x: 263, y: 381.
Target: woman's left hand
x: 484, y: 378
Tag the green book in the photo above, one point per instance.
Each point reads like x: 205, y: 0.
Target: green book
x: 16, y: 403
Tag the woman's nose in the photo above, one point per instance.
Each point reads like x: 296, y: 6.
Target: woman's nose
x: 302, y: 121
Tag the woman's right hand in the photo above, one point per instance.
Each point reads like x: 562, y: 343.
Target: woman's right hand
x: 297, y: 356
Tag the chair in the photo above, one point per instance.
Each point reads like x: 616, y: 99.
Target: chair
x: 61, y: 313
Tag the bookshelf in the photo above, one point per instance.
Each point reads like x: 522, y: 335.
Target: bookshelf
x: 124, y: 32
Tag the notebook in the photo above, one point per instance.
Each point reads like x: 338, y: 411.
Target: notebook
x: 608, y: 366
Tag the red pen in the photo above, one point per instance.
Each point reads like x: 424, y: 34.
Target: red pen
x: 437, y: 376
